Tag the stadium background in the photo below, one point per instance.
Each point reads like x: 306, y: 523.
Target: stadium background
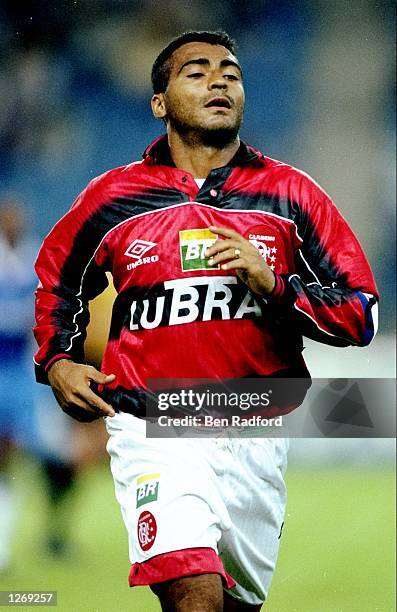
x: 319, y: 76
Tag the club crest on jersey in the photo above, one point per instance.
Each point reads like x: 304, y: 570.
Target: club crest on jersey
x: 193, y: 243
x: 266, y: 247
x: 146, y: 530
x: 147, y: 489
x: 137, y: 250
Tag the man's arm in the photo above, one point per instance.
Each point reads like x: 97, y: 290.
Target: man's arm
x: 331, y: 296
x: 71, y: 272
x: 332, y: 290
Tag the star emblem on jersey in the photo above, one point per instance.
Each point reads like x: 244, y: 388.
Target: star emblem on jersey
x: 193, y: 243
x: 138, y: 248
x: 147, y: 530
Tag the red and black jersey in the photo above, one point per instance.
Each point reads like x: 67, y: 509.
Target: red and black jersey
x: 177, y: 317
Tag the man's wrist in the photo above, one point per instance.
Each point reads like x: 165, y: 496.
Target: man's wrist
x: 56, y: 360
x: 278, y: 289
x: 271, y: 285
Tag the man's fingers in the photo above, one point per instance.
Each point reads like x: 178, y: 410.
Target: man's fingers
x: 223, y: 256
x: 109, y: 378
x: 96, y: 403
x: 236, y: 264
x: 80, y: 414
x: 100, y: 377
x: 224, y: 231
x: 83, y: 404
x: 219, y: 246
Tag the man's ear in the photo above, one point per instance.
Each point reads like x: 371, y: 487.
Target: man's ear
x: 158, y: 106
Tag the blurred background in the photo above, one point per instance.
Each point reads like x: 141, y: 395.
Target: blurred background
x: 74, y: 102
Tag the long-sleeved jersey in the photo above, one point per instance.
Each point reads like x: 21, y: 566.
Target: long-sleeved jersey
x: 175, y: 316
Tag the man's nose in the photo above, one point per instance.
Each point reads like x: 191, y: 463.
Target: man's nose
x: 217, y: 81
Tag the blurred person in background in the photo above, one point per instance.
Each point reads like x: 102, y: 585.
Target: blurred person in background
x: 17, y: 254
x: 24, y: 407
x: 280, y: 261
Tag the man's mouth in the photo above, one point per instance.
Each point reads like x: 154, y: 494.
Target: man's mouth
x: 218, y: 103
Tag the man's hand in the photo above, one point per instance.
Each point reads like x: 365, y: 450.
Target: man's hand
x: 71, y: 383
x: 237, y: 253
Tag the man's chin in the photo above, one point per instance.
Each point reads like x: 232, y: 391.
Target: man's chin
x: 219, y: 136
x: 214, y: 133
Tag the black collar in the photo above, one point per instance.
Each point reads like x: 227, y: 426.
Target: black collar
x: 159, y: 152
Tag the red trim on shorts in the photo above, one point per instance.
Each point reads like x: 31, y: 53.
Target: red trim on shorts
x: 177, y: 564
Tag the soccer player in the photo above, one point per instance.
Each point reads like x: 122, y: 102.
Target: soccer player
x: 222, y: 259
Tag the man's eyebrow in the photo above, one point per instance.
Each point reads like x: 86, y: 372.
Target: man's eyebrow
x: 227, y: 62
x: 205, y: 62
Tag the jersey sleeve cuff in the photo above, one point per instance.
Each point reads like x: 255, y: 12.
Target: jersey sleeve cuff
x: 283, y: 293
x: 56, y: 358
x: 278, y: 289
x: 41, y: 369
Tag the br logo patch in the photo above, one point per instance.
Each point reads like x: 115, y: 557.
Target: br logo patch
x: 147, y: 530
x: 147, y: 489
x: 193, y: 244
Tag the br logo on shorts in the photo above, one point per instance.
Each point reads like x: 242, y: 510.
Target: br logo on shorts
x: 147, y: 530
x: 147, y: 489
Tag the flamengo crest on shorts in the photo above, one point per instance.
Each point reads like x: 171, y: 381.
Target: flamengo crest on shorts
x: 147, y: 530
x: 147, y: 489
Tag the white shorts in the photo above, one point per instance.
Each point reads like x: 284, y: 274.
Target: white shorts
x: 195, y: 506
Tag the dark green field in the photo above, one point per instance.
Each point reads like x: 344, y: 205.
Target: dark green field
x: 337, y: 551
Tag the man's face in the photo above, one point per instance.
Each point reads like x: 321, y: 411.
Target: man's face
x: 205, y: 93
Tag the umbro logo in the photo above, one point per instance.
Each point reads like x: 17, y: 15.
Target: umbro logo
x: 137, y: 250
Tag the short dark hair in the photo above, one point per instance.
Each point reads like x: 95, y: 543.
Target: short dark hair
x: 162, y: 66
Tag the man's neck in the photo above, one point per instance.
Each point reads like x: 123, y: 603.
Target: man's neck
x: 198, y: 158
